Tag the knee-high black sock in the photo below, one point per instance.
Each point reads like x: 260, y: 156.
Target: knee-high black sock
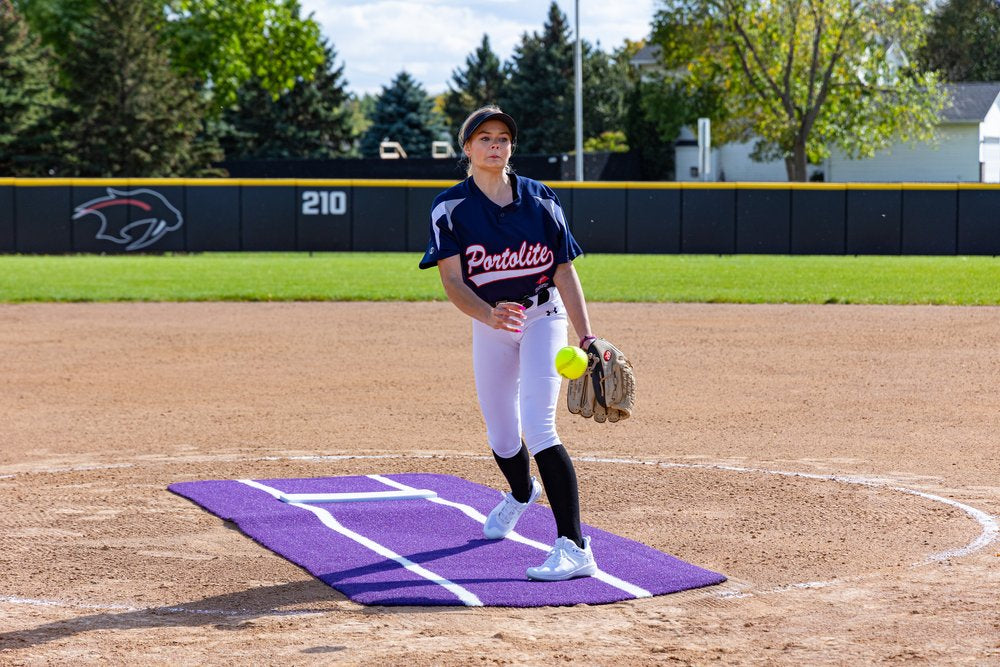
x: 559, y: 479
x: 517, y: 470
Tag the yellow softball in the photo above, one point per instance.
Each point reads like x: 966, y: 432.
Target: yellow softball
x: 571, y: 362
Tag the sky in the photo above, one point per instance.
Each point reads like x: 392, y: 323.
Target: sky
x: 376, y: 39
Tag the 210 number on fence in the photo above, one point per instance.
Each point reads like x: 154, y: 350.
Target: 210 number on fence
x: 324, y: 202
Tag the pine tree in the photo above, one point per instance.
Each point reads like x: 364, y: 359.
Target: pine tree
x: 311, y: 120
x: 27, y: 101
x: 132, y: 115
x: 317, y: 111
x: 478, y: 85
x: 403, y: 113
x: 540, y: 90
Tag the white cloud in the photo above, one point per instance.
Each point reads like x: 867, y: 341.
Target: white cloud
x: 431, y: 38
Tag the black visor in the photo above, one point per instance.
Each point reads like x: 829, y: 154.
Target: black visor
x: 484, y: 116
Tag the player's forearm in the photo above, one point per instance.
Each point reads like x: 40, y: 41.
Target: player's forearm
x: 465, y: 299
x: 568, y: 284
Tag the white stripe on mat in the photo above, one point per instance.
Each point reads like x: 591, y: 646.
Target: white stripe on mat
x: 467, y: 597
x: 472, y: 513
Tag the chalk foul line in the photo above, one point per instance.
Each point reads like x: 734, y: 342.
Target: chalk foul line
x: 989, y: 527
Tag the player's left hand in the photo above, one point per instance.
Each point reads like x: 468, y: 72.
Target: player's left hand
x: 606, y: 391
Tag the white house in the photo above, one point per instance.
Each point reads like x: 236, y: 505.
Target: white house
x: 730, y: 162
x: 967, y: 148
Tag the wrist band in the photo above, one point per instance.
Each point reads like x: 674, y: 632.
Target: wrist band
x: 586, y: 338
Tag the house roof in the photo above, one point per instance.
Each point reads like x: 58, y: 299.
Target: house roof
x: 970, y: 102
x: 647, y: 55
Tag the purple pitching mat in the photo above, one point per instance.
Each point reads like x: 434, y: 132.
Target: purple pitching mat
x: 432, y: 551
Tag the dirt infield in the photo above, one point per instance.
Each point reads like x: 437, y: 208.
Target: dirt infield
x: 839, y: 464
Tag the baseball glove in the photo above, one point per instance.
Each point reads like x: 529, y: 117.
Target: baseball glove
x: 606, y: 391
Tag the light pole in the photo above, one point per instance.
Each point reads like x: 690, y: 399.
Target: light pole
x: 578, y: 96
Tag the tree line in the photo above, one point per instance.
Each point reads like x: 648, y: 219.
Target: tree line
x: 163, y: 87
x: 174, y: 87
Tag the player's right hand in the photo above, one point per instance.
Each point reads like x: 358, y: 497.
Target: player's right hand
x: 507, y: 316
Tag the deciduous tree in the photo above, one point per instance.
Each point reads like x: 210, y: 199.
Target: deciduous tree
x: 801, y: 76
x: 227, y: 43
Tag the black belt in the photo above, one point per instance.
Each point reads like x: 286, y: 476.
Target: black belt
x: 527, y: 301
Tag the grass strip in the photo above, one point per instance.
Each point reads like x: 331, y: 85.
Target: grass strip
x: 395, y: 277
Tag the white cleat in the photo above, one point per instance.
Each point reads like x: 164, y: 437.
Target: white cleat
x: 504, y: 516
x: 565, y: 561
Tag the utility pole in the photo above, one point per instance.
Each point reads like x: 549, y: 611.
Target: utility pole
x: 704, y: 148
x: 578, y: 96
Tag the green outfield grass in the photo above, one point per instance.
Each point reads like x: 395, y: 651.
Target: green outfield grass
x: 395, y: 277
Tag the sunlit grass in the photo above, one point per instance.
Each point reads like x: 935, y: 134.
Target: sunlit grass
x: 395, y: 277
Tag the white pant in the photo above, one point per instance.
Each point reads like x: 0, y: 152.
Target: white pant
x: 516, y: 379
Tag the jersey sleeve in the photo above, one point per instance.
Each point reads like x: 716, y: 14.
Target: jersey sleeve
x: 442, y: 243
x: 563, y: 244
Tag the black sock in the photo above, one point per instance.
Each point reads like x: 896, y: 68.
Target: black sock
x: 517, y: 470
x: 559, y: 479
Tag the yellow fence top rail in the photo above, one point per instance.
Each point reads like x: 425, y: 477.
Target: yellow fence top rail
x: 442, y: 184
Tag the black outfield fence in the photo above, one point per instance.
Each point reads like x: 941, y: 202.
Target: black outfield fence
x: 197, y: 215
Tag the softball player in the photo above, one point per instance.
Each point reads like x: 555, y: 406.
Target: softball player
x: 505, y: 255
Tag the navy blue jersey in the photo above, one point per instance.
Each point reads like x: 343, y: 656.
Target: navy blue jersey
x: 508, y: 252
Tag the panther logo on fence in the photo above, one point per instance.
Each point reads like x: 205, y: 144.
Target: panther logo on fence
x: 153, y: 219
